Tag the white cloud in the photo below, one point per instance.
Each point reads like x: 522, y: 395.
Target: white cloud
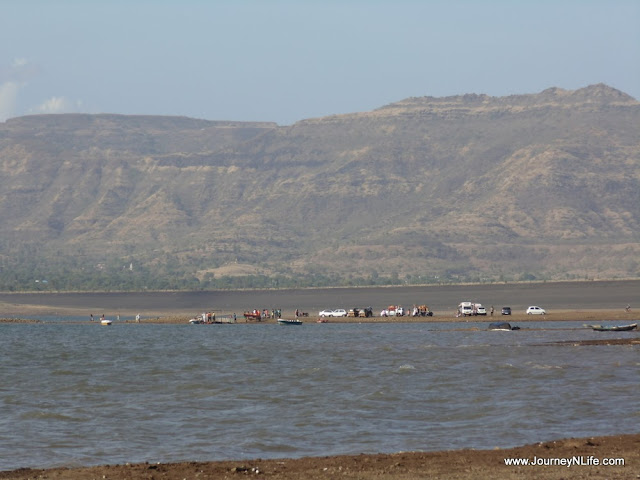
x: 8, y: 97
x: 20, y: 62
x: 20, y: 71
x: 57, y: 105
x: 53, y: 105
x: 13, y: 78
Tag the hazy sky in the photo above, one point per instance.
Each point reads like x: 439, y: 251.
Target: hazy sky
x: 283, y: 61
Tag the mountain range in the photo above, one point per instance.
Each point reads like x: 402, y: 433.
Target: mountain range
x: 539, y: 186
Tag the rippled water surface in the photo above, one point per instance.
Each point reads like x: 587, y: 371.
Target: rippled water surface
x: 81, y: 394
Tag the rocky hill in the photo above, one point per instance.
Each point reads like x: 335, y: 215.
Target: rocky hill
x: 464, y: 188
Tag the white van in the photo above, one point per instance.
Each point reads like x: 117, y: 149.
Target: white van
x: 465, y: 309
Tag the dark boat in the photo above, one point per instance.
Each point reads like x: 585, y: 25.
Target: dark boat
x: 502, y: 326
x: 614, y: 328
x: 285, y: 321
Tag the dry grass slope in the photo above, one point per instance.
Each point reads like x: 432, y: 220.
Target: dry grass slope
x: 468, y: 186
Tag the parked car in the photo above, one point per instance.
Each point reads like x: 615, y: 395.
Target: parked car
x: 480, y: 310
x: 340, y: 312
x: 506, y: 310
x: 535, y: 311
x: 325, y: 313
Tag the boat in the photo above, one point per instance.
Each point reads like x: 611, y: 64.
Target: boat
x: 105, y: 321
x: 502, y: 326
x: 196, y: 321
x: 614, y: 328
x: 288, y: 321
x: 225, y: 319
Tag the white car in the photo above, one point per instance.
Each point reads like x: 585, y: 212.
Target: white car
x: 325, y: 313
x: 340, y: 312
x: 535, y: 311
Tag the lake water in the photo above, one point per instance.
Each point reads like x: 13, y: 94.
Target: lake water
x: 85, y: 394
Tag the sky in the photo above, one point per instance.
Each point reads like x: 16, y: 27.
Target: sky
x: 285, y: 61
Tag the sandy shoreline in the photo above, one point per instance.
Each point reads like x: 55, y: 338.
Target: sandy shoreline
x: 442, y: 299
x: 588, y: 457
x: 29, y: 313
x: 581, y: 319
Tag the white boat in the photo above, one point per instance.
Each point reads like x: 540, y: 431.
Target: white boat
x: 105, y: 321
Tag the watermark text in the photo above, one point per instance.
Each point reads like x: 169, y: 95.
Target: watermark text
x: 576, y: 461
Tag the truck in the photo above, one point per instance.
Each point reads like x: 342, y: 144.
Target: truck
x: 465, y: 309
x: 468, y: 309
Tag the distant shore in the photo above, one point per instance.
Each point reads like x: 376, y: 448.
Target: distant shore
x: 587, y: 316
x: 581, y: 319
x: 34, y: 314
x: 442, y: 299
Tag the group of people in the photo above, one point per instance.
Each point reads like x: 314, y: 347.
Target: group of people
x: 209, y: 317
x: 400, y: 311
x: 117, y: 317
x: 264, y: 313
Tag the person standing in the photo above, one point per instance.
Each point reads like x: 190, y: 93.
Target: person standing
x: 492, y: 310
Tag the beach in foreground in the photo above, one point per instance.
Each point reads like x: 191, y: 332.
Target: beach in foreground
x: 561, y: 459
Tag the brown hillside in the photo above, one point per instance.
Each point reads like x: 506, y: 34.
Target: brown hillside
x: 467, y: 187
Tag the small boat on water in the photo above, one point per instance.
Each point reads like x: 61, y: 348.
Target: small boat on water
x: 289, y: 321
x: 105, y: 321
x: 614, y: 328
x: 217, y: 320
x: 502, y: 326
